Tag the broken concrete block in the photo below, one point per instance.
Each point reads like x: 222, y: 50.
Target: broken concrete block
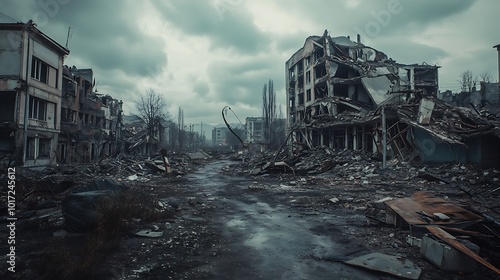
x: 334, y: 200
x: 447, y: 257
x: 413, y: 241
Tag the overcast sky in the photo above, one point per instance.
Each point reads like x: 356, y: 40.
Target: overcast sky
x: 204, y: 55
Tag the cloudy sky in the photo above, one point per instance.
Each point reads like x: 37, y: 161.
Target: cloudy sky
x: 204, y: 55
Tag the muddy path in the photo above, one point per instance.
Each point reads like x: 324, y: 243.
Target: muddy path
x: 265, y: 233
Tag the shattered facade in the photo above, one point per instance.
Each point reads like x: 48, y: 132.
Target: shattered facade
x: 137, y: 139
x: 337, y: 80
x: 90, y: 122
x: 339, y: 91
x: 31, y: 67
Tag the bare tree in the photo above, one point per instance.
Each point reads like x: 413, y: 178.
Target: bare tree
x: 279, y: 127
x: 152, y: 111
x: 467, y: 81
x: 486, y: 77
x: 268, y: 110
x: 180, y: 122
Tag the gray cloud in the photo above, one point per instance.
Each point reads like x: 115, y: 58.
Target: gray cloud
x: 241, y: 57
x: 230, y: 29
x: 105, y: 35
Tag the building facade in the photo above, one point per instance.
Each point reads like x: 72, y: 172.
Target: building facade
x: 90, y: 122
x: 219, y: 136
x: 331, y: 82
x: 254, y: 130
x: 31, y: 68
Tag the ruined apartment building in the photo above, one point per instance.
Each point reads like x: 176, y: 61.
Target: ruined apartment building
x: 31, y: 66
x: 333, y: 81
x: 90, y: 122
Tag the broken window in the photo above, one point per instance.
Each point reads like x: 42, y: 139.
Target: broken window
x: 308, y: 61
x: 301, y: 81
x: 37, y: 109
x: 341, y: 90
x: 308, y: 92
x: 300, y: 66
x: 318, y: 53
x: 342, y: 72
x: 292, y: 73
x: 44, y: 73
x: 30, y: 148
x: 38, y: 148
x: 7, y: 106
x: 308, y: 77
x: 320, y: 71
x: 320, y: 90
x: 339, y: 139
x: 301, y: 98
x: 316, y: 138
x: 44, y: 147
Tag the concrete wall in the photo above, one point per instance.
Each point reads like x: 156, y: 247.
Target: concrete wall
x: 431, y: 150
x: 10, y: 53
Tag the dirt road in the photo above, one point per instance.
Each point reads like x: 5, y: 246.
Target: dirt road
x: 264, y: 236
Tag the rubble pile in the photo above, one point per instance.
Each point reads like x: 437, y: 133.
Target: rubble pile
x: 454, y: 123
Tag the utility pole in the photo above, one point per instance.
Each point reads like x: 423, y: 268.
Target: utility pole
x: 69, y: 36
x: 384, y: 139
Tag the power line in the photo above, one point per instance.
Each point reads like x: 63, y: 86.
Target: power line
x: 8, y: 17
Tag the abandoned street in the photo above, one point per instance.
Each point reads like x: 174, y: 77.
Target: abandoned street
x: 230, y: 139
x: 219, y: 222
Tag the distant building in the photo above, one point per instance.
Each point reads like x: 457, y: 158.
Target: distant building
x: 31, y: 70
x: 254, y: 132
x: 219, y: 136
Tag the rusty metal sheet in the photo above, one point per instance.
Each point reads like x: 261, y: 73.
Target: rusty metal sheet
x: 452, y: 241
x: 426, y: 204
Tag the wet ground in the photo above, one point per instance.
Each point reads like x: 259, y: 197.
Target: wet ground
x: 228, y: 226
x: 263, y: 236
x: 270, y: 227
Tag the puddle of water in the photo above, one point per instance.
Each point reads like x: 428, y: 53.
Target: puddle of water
x: 235, y: 223
x: 258, y: 239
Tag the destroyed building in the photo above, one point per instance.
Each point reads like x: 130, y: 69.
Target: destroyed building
x: 31, y: 67
x: 90, y: 122
x: 140, y: 141
x: 341, y: 93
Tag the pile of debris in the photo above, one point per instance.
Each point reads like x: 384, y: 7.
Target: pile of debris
x: 447, y: 234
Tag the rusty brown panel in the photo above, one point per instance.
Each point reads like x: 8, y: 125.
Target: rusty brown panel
x: 407, y: 209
